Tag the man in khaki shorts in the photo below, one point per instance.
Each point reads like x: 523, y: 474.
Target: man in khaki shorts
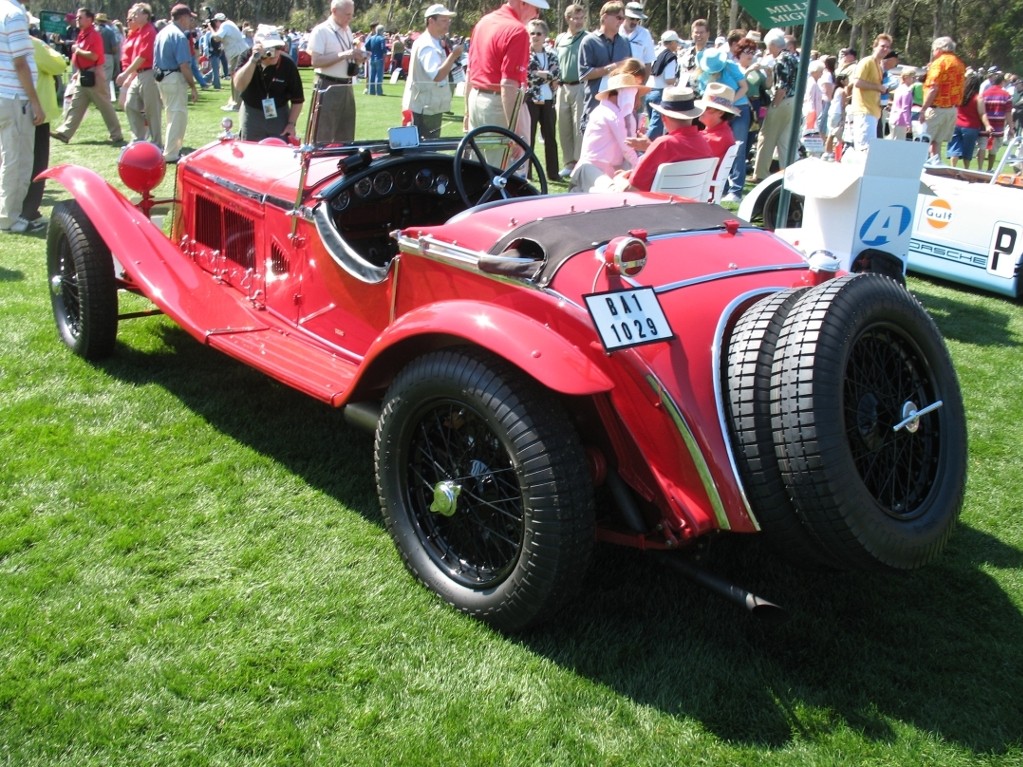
x: 943, y: 92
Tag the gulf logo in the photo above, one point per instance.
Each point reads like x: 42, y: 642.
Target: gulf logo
x: 938, y: 213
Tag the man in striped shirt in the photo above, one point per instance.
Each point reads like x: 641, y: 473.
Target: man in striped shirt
x: 20, y: 110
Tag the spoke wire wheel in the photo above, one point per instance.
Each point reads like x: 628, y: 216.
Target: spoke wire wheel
x: 855, y: 357
x: 484, y: 487
x: 83, y: 291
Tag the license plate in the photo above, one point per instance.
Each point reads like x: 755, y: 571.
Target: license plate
x: 625, y: 318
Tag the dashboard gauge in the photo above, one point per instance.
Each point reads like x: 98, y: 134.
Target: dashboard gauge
x: 442, y: 184
x: 404, y: 179
x: 363, y: 187
x: 424, y: 179
x: 340, y: 202
x: 383, y: 183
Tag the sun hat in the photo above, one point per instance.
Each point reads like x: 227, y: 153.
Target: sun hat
x: 635, y: 11
x: 102, y: 18
x: 679, y: 102
x: 671, y: 36
x: 718, y: 96
x: 438, y: 9
x: 620, y: 81
x: 711, y: 60
x: 269, y: 36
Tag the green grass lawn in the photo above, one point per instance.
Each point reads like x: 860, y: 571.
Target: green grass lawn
x: 193, y: 571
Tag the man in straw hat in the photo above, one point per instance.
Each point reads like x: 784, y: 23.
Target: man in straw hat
x: 427, y: 95
x: 607, y: 145
x: 499, y: 65
x: 682, y: 140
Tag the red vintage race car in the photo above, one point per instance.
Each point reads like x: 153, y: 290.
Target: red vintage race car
x: 541, y: 371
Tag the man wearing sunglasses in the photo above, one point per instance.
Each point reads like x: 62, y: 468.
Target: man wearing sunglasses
x: 270, y: 89
x: 601, y: 51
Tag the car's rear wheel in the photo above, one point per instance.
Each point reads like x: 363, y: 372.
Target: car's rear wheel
x: 879, y: 484
x: 772, y: 202
x: 748, y: 374
x: 83, y: 291
x: 484, y: 487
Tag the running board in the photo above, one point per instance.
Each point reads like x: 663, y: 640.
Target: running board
x: 290, y: 359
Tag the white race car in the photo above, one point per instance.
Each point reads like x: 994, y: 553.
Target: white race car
x: 967, y: 226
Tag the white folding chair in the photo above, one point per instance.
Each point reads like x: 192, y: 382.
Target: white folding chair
x: 688, y: 178
x: 718, y: 180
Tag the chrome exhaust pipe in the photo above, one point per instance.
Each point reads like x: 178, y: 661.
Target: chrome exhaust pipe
x: 758, y: 606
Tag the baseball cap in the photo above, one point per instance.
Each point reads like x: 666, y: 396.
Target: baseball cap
x: 102, y: 18
x: 220, y: 17
x: 892, y: 55
x: 635, y: 11
x: 180, y: 10
x: 541, y: 4
x: 269, y: 36
x: 438, y: 9
x: 671, y: 36
x: 848, y: 52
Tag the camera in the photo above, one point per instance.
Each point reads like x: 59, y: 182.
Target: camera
x: 353, y: 69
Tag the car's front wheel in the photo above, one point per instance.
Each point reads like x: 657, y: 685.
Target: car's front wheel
x: 484, y: 487
x: 83, y: 291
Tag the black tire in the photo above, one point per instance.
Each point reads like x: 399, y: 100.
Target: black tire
x: 853, y: 357
x: 514, y: 541
x: 769, y: 210
x: 751, y: 351
x: 83, y: 291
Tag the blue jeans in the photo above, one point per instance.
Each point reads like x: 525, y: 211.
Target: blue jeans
x: 199, y: 80
x: 740, y: 130
x: 376, y: 76
x: 655, y: 125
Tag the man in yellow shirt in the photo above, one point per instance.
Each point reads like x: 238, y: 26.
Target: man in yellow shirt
x: 867, y: 87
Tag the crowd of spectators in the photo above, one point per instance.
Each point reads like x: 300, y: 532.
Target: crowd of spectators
x: 596, y: 98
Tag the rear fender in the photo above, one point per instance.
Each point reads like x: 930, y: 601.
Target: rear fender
x: 150, y: 260
x: 529, y: 345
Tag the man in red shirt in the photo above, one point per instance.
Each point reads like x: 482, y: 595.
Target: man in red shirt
x: 997, y: 106
x: 682, y: 139
x: 89, y: 84
x: 498, y: 65
x: 141, y: 94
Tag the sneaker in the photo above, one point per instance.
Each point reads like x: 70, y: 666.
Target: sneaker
x: 20, y: 226
x: 565, y: 172
x: 732, y: 197
x: 59, y: 136
x: 229, y: 108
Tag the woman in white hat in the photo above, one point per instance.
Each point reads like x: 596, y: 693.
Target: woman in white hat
x: 719, y: 108
x: 605, y: 149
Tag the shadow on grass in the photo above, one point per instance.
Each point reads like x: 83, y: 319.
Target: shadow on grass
x: 11, y: 275
x: 964, y: 321
x: 936, y: 650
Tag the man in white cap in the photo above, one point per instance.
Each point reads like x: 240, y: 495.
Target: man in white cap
x: 663, y: 74
x: 639, y: 37
x: 427, y: 95
x: 682, y: 140
x: 498, y: 67
x: 269, y: 88
x: 232, y: 39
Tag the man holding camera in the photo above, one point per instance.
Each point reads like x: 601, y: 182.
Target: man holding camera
x: 270, y: 89
x: 336, y: 60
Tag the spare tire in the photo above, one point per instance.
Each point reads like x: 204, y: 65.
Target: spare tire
x: 749, y: 363
x: 879, y: 484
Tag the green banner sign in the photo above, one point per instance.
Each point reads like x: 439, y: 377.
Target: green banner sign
x: 791, y: 14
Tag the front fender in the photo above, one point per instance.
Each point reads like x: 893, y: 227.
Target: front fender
x: 531, y: 346
x: 150, y: 260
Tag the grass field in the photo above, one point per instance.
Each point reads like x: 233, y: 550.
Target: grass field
x: 193, y: 571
